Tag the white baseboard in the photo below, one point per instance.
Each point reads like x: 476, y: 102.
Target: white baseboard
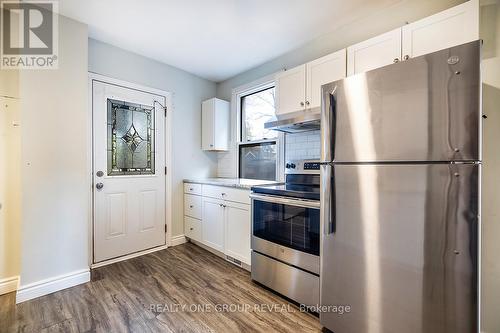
x: 178, y: 240
x: 9, y: 284
x: 48, y: 286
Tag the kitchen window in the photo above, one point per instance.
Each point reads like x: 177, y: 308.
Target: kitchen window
x: 258, y: 152
x: 256, y: 109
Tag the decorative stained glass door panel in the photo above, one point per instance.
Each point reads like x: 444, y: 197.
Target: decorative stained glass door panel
x: 131, y: 136
x: 129, y: 182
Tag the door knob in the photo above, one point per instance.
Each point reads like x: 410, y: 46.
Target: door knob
x: 99, y: 186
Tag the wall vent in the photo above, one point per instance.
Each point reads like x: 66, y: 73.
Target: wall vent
x: 234, y: 261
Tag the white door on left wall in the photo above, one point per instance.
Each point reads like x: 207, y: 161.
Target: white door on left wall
x: 128, y: 170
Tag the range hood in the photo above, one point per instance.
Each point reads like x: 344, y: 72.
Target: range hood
x: 296, y: 122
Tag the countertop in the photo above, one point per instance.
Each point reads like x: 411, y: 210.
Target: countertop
x: 241, y: 183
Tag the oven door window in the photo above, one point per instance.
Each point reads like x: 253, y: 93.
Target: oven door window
x: 290, y: 226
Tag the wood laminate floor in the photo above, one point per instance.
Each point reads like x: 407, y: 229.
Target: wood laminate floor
x: 181, y: 289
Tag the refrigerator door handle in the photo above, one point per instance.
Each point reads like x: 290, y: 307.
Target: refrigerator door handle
x: 328, y: 121
x: 327, y: 196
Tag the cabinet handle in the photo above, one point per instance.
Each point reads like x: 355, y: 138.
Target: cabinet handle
x: 191, y: 189
x: 220, y: 205
x: 224, y: 206
x: 406, y: 57
x: 190, y: 228
x: 223, y: 194
x: 211, y: 145
x: 190, y: 206
x: 301, y: 103
x: 307, y: 102
x: 396, y: 60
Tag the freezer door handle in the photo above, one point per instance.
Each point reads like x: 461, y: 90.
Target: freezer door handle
x: 327, y: 207
x: 328, y: 121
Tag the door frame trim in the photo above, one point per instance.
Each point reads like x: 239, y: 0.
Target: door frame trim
x: 168, y: 155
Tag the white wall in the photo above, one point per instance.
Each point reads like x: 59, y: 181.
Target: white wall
x: 490, y: 33
x: 55, y: 186
x: 378, y: 22
x: 189, y: 161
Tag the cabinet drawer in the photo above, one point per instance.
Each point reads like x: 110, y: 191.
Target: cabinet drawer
x: 192, y: 228
x: 226, y: 193
x: 192, y: 206
x: 192, y: 188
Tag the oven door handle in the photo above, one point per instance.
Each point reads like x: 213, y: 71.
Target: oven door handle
x: 286, y: 201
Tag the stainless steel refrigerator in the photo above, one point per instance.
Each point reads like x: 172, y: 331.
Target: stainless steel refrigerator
x: 401, y: 161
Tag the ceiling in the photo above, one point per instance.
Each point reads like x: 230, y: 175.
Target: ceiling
x: 214, y: 39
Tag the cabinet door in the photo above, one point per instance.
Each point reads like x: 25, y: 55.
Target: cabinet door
x: 207, y: 124
x: 221, y: 125
x: 192, y: 228
x: 237, y: 235
x: 321, y: 71
x: 291, y: 90
x: 213, y: 223
x: 373, y: 53
x: 455, y: 26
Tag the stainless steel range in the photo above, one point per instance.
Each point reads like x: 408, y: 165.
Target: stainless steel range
x: 286, y: 233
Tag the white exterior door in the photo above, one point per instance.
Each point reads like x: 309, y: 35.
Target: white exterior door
x: 128, y: 171
x: 10, y: 186
x: 375, y: 52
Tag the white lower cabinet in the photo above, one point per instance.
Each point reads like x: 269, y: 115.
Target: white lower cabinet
x: 222, y: 221
x: 192, y: 228
x: 213, y: 223
x: 237, y: 234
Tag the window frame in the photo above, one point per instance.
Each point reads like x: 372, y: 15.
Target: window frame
x: 240, y: 92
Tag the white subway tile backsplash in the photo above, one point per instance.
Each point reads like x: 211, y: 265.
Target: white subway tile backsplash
x: 313, y: 138
x: 304, y: 145
x: 301, y: 139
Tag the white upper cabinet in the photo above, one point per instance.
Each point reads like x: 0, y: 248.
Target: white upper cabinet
x: 322, y: 71
x: 299, y: 88
x: 291, y: 90
x: 375, y: 52
x: 454, y: 26
x: 215, y: 120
